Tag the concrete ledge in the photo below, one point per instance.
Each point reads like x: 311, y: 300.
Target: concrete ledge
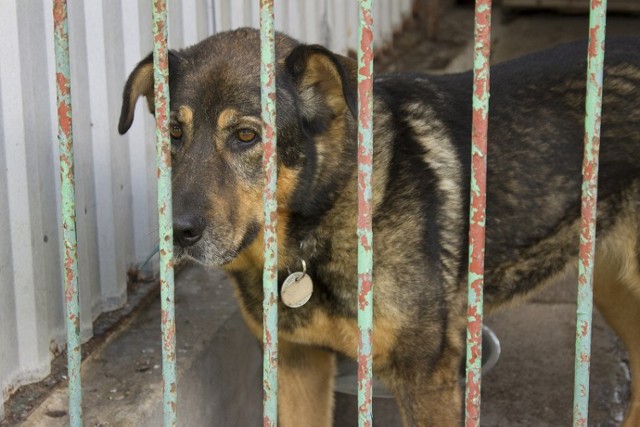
x: 219, y: 365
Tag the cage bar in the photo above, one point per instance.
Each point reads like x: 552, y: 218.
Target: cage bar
x: 68, y: 206
x: 165, y: 215
x: 595, y: 68
x: 269, y: 163
x: 477, y: 211
x: 365, y: 233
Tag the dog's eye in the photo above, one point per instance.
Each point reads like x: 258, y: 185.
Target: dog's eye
x: 247, y: 136
x: 176, y: 132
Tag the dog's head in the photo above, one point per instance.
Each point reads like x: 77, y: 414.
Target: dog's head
x: 216, y: 141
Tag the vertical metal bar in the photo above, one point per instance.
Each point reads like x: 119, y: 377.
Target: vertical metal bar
x: 269, y: 162
x: 68, y: 205
x: 477, y: 211
x: 365, y: 233
x: 597, y: 23
x: 165, y: 215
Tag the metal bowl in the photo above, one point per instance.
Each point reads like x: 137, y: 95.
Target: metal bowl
x: 346, y: 380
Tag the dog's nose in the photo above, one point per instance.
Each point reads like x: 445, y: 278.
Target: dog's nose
x: 187, y: 229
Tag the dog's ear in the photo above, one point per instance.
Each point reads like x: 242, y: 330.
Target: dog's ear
x: 323, y: 78
x: 140, y: 83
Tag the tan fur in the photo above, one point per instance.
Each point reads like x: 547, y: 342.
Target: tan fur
x: 442, y: 159
x: 617, y: 296
x: 305, y: 379
x: 322, y: 74
x: 342, y: 333
x: 141, y: 82
x: 185, y: 115
x: 253, y: 255
x: 227, y: 118
x: 287, y: 182
x: 143, y: 85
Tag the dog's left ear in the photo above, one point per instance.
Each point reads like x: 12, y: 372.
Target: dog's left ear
x: 140, y: 83
x: 323, y: 78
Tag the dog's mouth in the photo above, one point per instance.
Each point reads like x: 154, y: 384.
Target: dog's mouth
x: 199, y: 254
x: 210, y: 252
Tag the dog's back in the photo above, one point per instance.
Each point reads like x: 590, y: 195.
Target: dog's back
x: 535, y: 152
x: 538, y: 144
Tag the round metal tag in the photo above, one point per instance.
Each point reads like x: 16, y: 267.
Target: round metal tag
x: 296, y: 289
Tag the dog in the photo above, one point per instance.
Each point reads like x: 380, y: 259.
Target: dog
x: 422, y: 134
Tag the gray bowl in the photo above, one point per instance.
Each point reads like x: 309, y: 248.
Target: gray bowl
x: 346, y: 380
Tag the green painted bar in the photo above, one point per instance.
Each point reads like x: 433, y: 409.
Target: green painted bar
x: 165, y: 215
x: 365, y: 232
x: 595, y: 68
x: 270, y: 273
x: 68, y: 205
x: 477, y: 212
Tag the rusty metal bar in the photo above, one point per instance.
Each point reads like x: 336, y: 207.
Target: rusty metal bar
x: 68, y: 205
x: 597, y: 23
x: 365, y: 233
x: 165, y: 214
x: 477, y: 211
x: 269, y: 162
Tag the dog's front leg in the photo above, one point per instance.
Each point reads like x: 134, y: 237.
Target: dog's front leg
x: 430, y: 405
x: 305, y: 382
x: 427, y: 397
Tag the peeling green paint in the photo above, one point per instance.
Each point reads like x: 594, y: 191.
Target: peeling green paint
x: 595, y: 68
x: 68, y: 207
x: 270, y: 162
x: 365, y: 214
x: 477, y: 214
x: 165, y: 213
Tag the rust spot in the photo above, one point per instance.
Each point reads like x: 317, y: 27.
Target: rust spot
x: 366, y: 288
x: 63, y: 84
x: 364, y: 241
x: 267, y: 335
x: 593, y: 37
x: 70, y: 290
x: 59, y: 12
x: 169, y: 340
x: 64, y: 118
x: 584, y: 328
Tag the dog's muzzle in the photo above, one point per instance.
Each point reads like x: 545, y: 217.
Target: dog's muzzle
x: 187, y: 230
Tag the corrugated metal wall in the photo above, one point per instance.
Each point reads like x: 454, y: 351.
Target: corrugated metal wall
x: 115, y: 176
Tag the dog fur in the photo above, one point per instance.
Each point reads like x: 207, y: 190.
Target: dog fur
x: 422, y: 129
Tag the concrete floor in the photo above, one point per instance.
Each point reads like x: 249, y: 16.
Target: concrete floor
x: 219, y: 365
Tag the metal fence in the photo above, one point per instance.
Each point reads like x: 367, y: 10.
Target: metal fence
x: 365, y: 284
x: 115, y: 195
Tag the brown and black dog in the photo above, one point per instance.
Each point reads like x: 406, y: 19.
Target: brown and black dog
x: 420, y: 197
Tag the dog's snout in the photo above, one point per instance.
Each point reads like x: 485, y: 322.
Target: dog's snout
x: 187, y: 229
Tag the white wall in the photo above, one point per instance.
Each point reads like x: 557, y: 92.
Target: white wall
x: 115, y: 175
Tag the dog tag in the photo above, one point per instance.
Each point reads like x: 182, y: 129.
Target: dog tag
x: 296, y: 289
